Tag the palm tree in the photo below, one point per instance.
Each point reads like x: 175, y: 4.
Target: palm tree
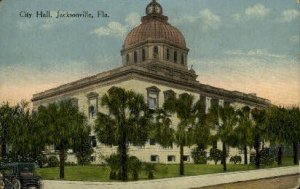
x: 128, y: 120
x: 258, y: 130
x: 62, y: 123
x: 224, y: 119
x: 186, y: 112
x: 243, y: 132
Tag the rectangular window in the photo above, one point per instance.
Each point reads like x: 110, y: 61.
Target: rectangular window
x: 93, y: 107
x: 154, y: 158
x: 143, y: 55
x: 152, y: 142
x: 153, y: 100
x: 207, y: 105
x: 186, y: 158
x: 93, y: 158
x: 171, y: 159
x: 168, y: 54
x: 93, y: 141
x: 175, y: 56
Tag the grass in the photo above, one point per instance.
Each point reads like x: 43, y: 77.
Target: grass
x: 101, y: 173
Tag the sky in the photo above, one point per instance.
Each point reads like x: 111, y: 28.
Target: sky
x: 249, y: 46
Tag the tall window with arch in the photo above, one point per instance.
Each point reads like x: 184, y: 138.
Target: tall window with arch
x: 127, y: 59
x: 175, y: 56
x: 143, y: 55
x: 182, y: 58
x: 155, y: 52
x: 135, y: 57
x: 168, y: 54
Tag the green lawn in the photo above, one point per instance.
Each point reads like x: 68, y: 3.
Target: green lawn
x: 101, y: 173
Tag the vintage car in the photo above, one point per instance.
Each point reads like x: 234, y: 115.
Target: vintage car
x: 19, y: 176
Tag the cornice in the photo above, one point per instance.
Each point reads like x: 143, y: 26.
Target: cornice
x: 154, y: 74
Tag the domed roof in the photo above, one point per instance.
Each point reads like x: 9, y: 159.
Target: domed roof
x: 154, y: 28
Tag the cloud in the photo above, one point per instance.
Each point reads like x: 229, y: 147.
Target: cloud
x: 236, y: 17
x: 113, y: 29
x: 133, y: 19
x: 117, y: 29
x: 257, y: 10
x: 289, y: 15
x: 210, y: 20
x: 255, y: 53
x: 295, y: 39
x: 274, y: 79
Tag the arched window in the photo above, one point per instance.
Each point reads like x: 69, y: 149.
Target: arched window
x: 135, y: 57
x: 143, y: 55
x: 155, y: 52
x: 182, y: 59
x: 127, y: 58
x: 175, y: 56
x: 168, y: 54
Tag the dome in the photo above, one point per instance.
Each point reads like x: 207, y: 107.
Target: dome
x: 154, y: 28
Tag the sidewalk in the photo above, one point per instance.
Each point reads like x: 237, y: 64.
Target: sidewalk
x: 179, y: 182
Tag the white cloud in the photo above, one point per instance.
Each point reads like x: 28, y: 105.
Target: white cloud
x: 133, y: 19
x: 236, y: 17
x: 113, y: 28
x: 257, y: 10
x: 289, y: 15
x: 210, y: 20
x: 255, y: 53
x: 295, y: 39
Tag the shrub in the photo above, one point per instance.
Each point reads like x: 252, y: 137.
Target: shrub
x: 215, y: 155
x: 199, y: 156
x: 150, y: 169
x: 267, y: 156
x: 235, y: 159
x: 134, y: 167
x: 113, y: 161
x: 53, y: 161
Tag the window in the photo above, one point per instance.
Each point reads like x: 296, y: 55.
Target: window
x: 186, y: 158
x: 207, y: 105
x: 171, y: 159
x: 154, y: 158
x: 168, y: 54
x: 169, y: 94
x: 135, y: 57
x: 93, y: 158
x: 143, y: 55
x: 74, y: 102
x: 182, y: 59
x: 127, y: 59
x: 92, y: 104
x: 221, y: 103
x: 152, y: 97
x: 93, y: 141
x: 175, y: 56
x: 215, y: 144
x: 152, y: 142
x: 155, y: 52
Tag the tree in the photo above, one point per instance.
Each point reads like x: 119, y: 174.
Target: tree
x: 7, y: 115
x: 243, y: 132
x: 127, y: 120
x: 224, y: 119
x: 186, y: 112
x: 258, y: 130
x: 293, y: 118
x: 62, y: 123
x: 278, y: 128
x: 82, y: 147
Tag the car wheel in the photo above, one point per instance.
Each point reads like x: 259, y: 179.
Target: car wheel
x: 16, y: 184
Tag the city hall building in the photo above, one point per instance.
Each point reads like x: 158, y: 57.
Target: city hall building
x: 155, y: 64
